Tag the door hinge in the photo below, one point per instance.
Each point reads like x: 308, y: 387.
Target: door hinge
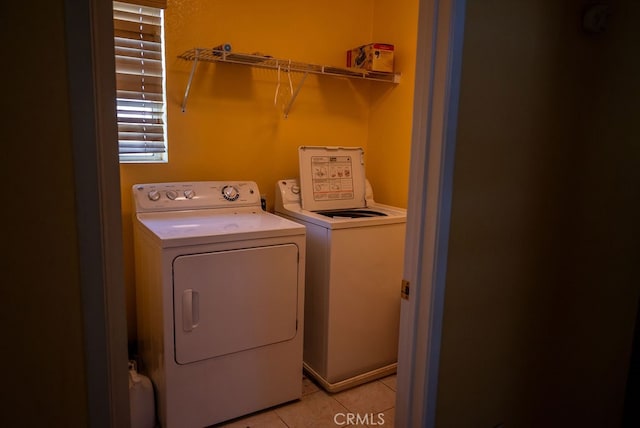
x: 404, y: 289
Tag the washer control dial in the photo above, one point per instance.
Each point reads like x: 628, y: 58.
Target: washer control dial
x: 189, y: 193
x: 172, y: 194
x: 230, y: 193
x: 153, y: 195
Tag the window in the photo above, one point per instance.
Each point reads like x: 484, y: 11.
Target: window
x: 139, y: 52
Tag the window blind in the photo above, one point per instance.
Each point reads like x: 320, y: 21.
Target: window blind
x: 139, y: 82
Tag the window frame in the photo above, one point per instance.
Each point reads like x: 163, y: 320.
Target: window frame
x: 143, y: 137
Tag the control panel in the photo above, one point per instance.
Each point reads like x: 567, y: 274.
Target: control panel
x: 288, y: 191
x: 195, y: 195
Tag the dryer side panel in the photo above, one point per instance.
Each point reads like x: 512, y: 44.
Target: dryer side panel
x: 234, y: 300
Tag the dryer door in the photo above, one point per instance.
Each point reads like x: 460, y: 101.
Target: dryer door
x: 235, y: 300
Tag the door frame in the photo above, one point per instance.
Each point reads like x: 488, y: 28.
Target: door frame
x: 91, y: 80
x: 92, y: 84
x: 437, y: 86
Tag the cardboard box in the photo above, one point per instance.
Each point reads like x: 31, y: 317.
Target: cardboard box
x: 372, y: 57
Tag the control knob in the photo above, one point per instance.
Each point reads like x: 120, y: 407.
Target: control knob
x: 153, y: 195
x: 230, y: 193
x: 172, y: 194
x: 189, y: 193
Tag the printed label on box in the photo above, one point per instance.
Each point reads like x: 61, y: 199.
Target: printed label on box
x: 372, y: 57
x: 331, y: 178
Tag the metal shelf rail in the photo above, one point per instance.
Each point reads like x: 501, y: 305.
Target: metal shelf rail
x: 265, y: 61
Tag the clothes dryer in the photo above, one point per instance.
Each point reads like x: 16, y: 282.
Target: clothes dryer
x: 354, y: 265
x: 220, y: 289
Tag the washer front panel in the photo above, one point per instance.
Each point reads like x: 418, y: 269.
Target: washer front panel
x: 231, y: 301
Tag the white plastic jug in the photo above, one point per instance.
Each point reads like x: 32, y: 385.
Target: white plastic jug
x: 142, y: 407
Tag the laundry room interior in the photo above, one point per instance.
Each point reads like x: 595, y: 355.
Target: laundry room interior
x: 231, y: 129
x: 539, y: 323
x: 239, y: 122
x: 511, y: 122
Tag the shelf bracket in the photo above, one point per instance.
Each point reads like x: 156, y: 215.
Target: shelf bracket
x: 188, y: 88
x: 295, y: 94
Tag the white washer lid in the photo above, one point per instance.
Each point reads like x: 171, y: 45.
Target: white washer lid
x: 332, y: 178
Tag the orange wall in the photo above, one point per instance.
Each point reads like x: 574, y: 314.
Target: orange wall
x: 391, y: 114
x: 231, y: 129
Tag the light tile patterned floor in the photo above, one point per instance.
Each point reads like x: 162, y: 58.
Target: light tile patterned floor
x: 368, y: 405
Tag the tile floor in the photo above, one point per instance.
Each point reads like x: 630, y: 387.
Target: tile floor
x: 373, y: 403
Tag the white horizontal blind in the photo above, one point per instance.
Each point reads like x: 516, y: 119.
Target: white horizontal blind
x: 140, y: 82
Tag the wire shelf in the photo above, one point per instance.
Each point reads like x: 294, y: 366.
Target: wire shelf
x: 269, y: 62
x: 256, y: 60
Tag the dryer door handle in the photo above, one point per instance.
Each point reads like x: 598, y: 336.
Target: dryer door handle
x: 190, y: 309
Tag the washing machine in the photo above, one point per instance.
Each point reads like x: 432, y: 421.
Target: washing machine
x: 355, y: 251
x: 220, y: 297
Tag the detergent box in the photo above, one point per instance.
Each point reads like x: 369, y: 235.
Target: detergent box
x: 372, y: 57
